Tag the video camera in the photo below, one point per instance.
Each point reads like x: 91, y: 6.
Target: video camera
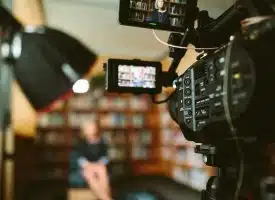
x: 224, y: 100
x: 197, y: 104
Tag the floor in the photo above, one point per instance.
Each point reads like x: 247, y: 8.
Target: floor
x: 81, y: 194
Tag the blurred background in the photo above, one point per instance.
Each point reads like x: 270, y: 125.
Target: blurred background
x: 141, y: 137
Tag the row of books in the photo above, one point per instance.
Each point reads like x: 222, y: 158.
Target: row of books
x: 117, y: 146
x: 117, y: 153
x: 106, y: 103
x: 106, y: 120
x: 114, y: 120
x: 141, y: 138
x: 54, y: 156
x: 141, y: 153
x: 136, y: 138
x: 77, y: 119
x: 47, y: 173
x: 115, y: 138
x: 51, y: 138
x: 174, y: 137
x: 53, y: 173
x: 121, y: 120
x: 84, y: 101
x: 53, y: 119
x: 137, y: 153
x: 195, y: 178
x: 182, y: 156
x: 115, y: 103
x: 112, y: 138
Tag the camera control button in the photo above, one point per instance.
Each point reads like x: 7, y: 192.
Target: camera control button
x: 187, y: 81
x: 187, y: 91
x: 187, y: 102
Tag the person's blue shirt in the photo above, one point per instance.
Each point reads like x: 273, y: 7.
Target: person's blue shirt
x: 83, y: 151
x: 159, y: 17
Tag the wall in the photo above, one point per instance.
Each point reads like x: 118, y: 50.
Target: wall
x: 95, y: 23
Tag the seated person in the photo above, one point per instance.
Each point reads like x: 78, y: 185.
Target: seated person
x: 159, y: 14
x: 90, y: 150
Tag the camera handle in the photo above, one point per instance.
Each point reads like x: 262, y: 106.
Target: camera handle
x: 177, y: 54
x: 179, y: 39
x: 256, y: 184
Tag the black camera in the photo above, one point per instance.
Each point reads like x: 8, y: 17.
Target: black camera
x: 232, y: 84
x: 198, y: 103
x: 224, y: 101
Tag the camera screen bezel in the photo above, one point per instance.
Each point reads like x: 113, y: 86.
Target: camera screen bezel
x: 191, y: 8
x: 112, y: 76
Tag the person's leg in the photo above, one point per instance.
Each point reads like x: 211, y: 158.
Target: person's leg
x: 97, y: 179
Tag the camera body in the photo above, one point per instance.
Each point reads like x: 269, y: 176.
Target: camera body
x: 228, y: 88
x: 198, y: 103
x: 238, y: 77
x: 225, y: 100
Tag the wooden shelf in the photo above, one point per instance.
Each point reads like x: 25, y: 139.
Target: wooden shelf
x: 118, y: 128
x: 47, y: 163
x: 142, y: 161
x: 142, y: 10
x: 51, y: 128
x: 171, y: 2
x: 56, y: 147
x: 131, y: 102
x: 94, y: 110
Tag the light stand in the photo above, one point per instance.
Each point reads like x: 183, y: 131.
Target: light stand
x: 6, y: 77
x: 5, y: 122
x: 46, y: 64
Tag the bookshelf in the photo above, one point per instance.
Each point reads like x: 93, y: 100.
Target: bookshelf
x: 125, y: 122
x: 52, y: 143
x: 181, y: 162
x: 142, y: 9
x: 141, y: 138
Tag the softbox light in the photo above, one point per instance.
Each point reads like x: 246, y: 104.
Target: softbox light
x: 7, y: 21
x: 47, y: 62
